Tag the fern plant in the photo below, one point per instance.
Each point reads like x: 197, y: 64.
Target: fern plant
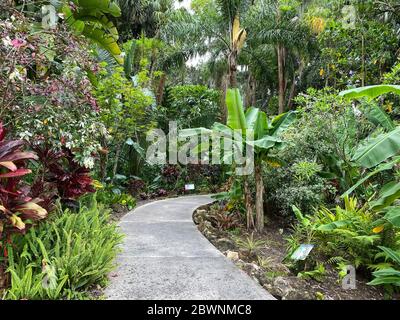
x: 317, y: 274
x: 65, y: 256
x: 388, y: 275
x: 351, y: 232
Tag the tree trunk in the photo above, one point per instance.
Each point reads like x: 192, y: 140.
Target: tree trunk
x: 293, y: 87
x: 363, y: 61
x: 248, y: 204
x: 160, y: 89
x: 115, y: 168
x: 224, y: 87
x: 250, y: 98
x: 281, y: 78
x: 232, y: 65
x: 259, y: 197
x: 4, y: 278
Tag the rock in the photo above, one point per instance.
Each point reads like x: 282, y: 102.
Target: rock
x: 251, y: 268
x: 225, y: 244
x: 225, y: 241
x: 232, y: 255
x: 282, y: 286
x: 298, y: 295
x: 291, y: 288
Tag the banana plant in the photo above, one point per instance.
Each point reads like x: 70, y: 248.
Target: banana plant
x: 90, y: 18
x: 266, y: 137
x: 375, y: 151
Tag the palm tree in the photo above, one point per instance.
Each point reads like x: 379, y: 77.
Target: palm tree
x: 278, y: 24
x: 388, y: 11
x: 142, y: 16
x: 214, y: 28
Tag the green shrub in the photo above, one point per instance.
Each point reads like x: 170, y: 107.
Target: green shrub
x: 317, y: 165
x: 353, y: 232
x: 113, y: 196
x: 191, y: 106
x: 388, y: 275
x: 65, y: 256
x: 286, y: 187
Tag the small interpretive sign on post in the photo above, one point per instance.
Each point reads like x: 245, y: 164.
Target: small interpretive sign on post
x: 302, y: 252
x: 189, y: 187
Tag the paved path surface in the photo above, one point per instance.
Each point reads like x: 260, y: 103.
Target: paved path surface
x: 165, y: 257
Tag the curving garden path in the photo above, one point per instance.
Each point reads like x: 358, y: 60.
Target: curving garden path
x: 165, y: 257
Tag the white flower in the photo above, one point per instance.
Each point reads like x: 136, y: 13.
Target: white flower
x: 357, y: 112
x: 7, y: 41
x: 88, y: 163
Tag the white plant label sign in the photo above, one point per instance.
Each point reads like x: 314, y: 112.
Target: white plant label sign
x: 302, y: 252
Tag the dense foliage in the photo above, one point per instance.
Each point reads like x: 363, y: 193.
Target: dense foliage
x: 81, y: 89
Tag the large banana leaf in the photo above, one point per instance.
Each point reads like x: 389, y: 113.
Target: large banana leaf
x: 393, y: 216
x: 380, y: 168
x: 377, y: 116
x: 256, y: 120
x: 378, y: 149
x: 91, y: 21
x: 370, y: 92
x: 266, y: 142
x: 236, y: 118
x: 95, y: 6
x: 282, y: 122
x: 388, y: 194
x: 104, y: 40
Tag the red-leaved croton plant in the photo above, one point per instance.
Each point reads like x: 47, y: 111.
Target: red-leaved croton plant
x: 17, y: 209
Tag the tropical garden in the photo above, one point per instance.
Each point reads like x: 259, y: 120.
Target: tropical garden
x: 316, y: 83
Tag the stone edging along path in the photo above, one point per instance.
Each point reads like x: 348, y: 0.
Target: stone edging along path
x: 164, y: 256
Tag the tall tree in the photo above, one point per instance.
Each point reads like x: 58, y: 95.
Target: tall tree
x: 142, y: 16
x: 279, y: 24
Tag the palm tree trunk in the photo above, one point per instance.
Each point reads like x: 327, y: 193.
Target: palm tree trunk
x: 281, y: 78
x: 232, y: 65
x: 363, y: 61
x: 224, y: 87
x: 160, y: 89
x: 259, y: 197
x: 116, y: 160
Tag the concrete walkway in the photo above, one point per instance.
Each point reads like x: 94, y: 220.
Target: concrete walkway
x: 165, y: 257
